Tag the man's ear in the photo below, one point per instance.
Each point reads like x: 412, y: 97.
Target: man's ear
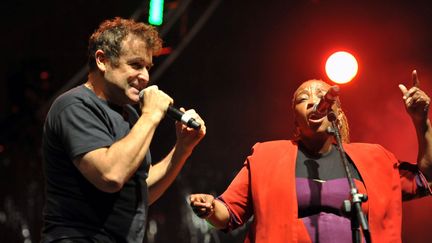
x: 101, y: 60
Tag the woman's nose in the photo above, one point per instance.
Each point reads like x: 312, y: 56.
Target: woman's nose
x: 312, y: 101
x: 315, y: 99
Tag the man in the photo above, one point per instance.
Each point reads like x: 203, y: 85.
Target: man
x: 99, y: 179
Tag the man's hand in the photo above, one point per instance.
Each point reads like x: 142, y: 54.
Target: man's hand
x: 154, y: 102
x: 188, y: 138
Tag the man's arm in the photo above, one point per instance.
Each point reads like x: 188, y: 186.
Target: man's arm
x: 109, y: 168
x: 163, y: 173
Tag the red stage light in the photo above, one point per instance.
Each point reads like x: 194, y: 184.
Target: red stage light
x: 341, y: 67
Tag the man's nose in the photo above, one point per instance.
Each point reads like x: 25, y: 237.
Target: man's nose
x: 143, y: 77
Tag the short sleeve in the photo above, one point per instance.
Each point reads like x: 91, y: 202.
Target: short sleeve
x: 82, y: 129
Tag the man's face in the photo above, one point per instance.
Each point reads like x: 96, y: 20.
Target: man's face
x: 125, y: 80
x: 307, y: 122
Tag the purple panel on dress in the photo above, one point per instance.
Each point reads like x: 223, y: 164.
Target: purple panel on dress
x: 320, y: 204
x: 328, y: 228
x: 311, y: 193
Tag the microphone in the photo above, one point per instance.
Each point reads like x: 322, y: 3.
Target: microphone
x: 327, y: 100
x: 178, y: 115
x: 186, y: 119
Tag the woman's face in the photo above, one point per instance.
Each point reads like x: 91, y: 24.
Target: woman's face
x: 310, y: 124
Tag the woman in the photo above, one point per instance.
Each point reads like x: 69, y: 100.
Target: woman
x: 295, y: 188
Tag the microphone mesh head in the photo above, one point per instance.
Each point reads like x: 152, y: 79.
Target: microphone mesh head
x: 333, y: 91
x: 141, y: 94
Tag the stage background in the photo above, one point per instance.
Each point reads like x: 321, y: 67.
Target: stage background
x: 239, y: 72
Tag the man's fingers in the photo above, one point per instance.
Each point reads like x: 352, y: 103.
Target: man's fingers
x: 415, y: 80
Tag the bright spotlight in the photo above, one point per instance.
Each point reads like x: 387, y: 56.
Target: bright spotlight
x: 341, y: 67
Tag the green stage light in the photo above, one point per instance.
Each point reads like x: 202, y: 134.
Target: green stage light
x: 156, y: 12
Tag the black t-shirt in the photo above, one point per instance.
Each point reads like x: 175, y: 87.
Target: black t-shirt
x: 79, y: 122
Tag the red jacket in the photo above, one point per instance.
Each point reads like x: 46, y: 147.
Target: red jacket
x: 265, y: 188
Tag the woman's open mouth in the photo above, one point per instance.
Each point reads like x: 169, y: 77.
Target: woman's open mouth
x: 315, y: 117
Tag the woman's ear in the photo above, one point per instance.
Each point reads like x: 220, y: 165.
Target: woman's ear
x: 341, y: 119
x: 100, y: 60
x: 340, y: 114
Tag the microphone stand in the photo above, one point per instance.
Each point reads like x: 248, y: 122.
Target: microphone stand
x: 352, y: 206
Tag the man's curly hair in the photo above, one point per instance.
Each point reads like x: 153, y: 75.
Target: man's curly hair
x: 111, y: 33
